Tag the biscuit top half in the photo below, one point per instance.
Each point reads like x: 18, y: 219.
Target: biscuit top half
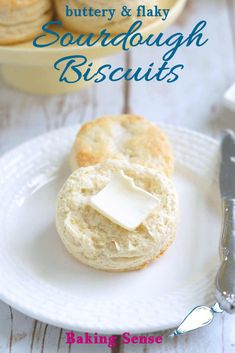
x: 124, y: 137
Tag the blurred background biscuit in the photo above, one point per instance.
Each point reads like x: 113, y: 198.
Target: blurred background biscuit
x: 125, y: 137
x: 118, y: 24
x: 21, y: 20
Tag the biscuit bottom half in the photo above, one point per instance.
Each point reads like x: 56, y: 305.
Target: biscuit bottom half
x: 96, y: 241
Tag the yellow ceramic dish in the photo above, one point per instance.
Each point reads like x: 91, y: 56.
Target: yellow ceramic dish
x: 31, y: 70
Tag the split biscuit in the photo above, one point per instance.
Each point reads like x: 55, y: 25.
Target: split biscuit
x: 96, y: 241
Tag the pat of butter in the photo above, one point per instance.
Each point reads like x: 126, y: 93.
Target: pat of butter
x: 123, y: 203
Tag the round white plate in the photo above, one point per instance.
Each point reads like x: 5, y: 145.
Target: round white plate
x: 38, y: 276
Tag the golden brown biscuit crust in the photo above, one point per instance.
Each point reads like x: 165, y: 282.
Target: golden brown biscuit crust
x: 125, y: 137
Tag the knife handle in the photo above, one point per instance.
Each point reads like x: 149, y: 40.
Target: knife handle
x: 225, y: 280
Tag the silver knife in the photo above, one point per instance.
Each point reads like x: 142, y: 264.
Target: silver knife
x: 225, y: 279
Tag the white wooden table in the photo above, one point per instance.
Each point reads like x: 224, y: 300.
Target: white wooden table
x: 194, y: 101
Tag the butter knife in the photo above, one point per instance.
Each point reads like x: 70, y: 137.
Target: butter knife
x: 225, y: 279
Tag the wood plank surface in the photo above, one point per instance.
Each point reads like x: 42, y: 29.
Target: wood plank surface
x: 194, y: 101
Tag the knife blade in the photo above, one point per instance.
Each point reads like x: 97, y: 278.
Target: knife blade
x: 227, y: 168
x: 225, y: 279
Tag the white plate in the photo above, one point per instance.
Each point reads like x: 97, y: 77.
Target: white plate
x: 39, y: 278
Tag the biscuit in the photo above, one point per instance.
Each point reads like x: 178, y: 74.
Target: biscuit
x: 88, y: 24
x: 98, y: 242
x: 21, y: 20
x: 125, y: 137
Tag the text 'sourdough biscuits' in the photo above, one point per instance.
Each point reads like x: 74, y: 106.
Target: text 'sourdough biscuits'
x: 21, y: 20
x: 98, y: 242
x: 124, y: 137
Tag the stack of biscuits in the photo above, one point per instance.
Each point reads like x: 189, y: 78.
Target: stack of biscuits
x: 22, y: 20
x: 103, y: 148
